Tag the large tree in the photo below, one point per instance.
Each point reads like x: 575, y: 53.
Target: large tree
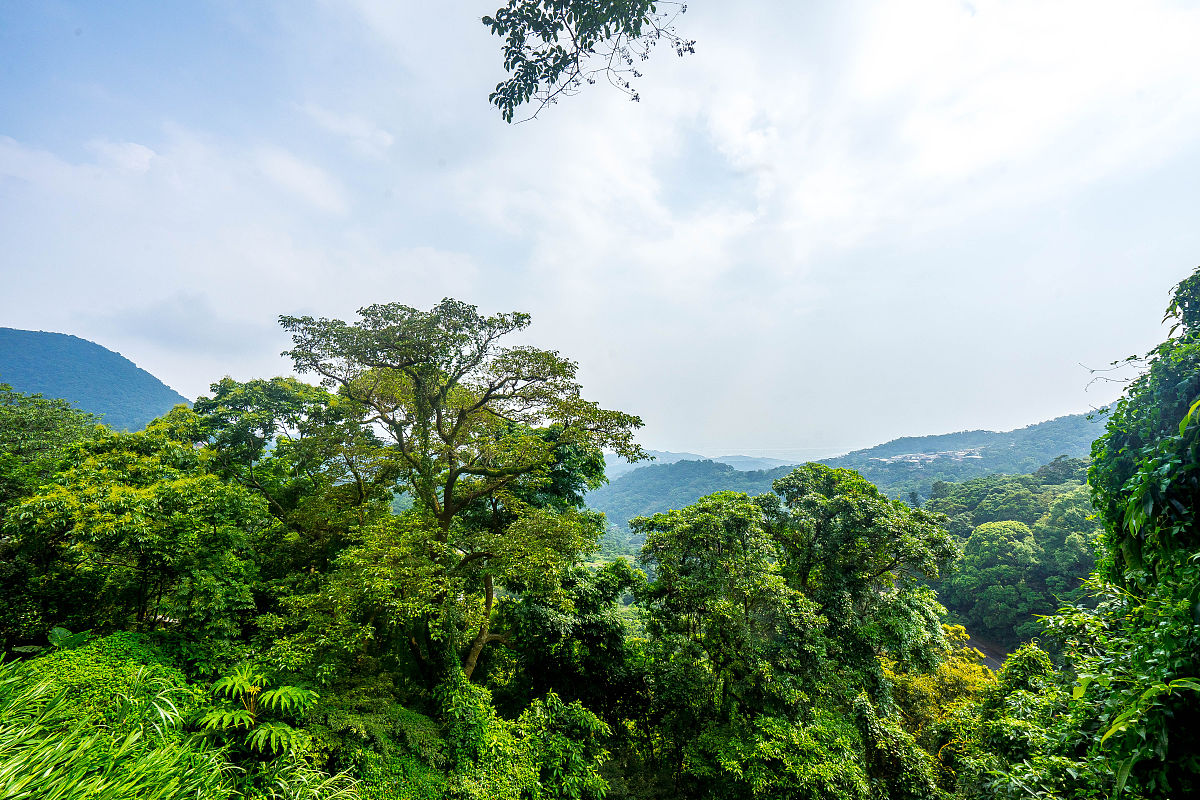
x: 35, y: 434
x: 307, y: 452
x: 136, y: 532
x: 493, y: 444
x: 768, y: 618
x: 864, y: 559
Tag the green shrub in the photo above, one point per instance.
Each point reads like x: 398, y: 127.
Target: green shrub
x: 773, y: 758
x: 48, y: 751
x: 552, y: 752
x: 109, y: 679
x: 400, y: 776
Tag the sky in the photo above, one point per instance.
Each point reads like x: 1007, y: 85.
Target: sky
x: 837, y: 223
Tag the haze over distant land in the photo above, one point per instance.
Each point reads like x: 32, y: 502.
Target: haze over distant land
x: 615, y: 465
x: 835, y: 224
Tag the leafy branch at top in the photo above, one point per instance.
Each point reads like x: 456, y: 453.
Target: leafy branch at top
x: 553, y: 47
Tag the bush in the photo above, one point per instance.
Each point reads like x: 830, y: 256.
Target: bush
x: 111, y: 679
x: 49, y: 750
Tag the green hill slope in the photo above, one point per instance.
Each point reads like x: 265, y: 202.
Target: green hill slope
x: 615, y: 466
x: 898, y: 467
x: 658, y: 487
x: 913, y: 463
x: 92, y: 377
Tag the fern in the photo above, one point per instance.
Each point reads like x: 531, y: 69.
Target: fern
x: 227, y: 719
x: 244, y: 701
x: 273, y: 737
x: 287, y: 699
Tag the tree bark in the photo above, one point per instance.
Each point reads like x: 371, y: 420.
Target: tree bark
x: 483, y: 637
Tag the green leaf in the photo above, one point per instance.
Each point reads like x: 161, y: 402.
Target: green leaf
x: 1187, y: 418
x: 1123, y: 774
x: 1119, y: 724
x: 63, y: 639
x: 288, y: 699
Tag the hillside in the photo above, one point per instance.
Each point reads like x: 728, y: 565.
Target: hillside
x: 615, y: 466
x: 658, y: 487
x: 898, y: 467
x: 913, y: 463
x: 92, y: 377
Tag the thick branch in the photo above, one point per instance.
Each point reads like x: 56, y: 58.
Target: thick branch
x: 483, y: 637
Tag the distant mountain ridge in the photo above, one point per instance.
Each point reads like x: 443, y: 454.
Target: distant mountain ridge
x: 89, y: 375
x: 615, y: 466
x: 912, y: 462
x: 904, y: 465
x: 659, y: 487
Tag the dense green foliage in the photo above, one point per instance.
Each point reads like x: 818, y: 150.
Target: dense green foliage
x: 1116, y: 717
x: 135, y: 530
x: 35, y: 433
x: 767, y: 621
x: 48, y: 750
x: 93, y: 378
x: 1028, y: 542
x: 36, y: 436
x: 1144, y: 479
x: 386, y: 587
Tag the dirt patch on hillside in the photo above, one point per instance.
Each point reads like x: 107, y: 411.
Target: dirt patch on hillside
x: 993, y: 653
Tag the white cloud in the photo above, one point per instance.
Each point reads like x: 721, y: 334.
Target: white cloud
x: 183, y: 322
x: 365, y: 136
x: 302, y: 179
x: 129, y: 156
x: 837, y: 222
x: 188, y: 263
x: 937, y: 112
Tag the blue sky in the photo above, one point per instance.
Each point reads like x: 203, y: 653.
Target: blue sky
x: 837, y: 223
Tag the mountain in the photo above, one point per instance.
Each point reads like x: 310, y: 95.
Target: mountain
x: 92, y: 377
x: 898, y: 467
x: 913, y: 463
x: 658, y: 487
x: 615, y: 466
x: 752, y: 463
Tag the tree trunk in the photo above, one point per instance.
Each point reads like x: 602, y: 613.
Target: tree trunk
x: 483, y: 637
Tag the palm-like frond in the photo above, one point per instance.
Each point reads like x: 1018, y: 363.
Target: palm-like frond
x: 287, y: 699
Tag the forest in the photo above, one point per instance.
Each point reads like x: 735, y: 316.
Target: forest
x: 904, y: 469
x: 386, y: 583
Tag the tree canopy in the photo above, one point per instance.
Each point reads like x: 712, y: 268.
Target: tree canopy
x: 388, y: 586
x: 494, y: 444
